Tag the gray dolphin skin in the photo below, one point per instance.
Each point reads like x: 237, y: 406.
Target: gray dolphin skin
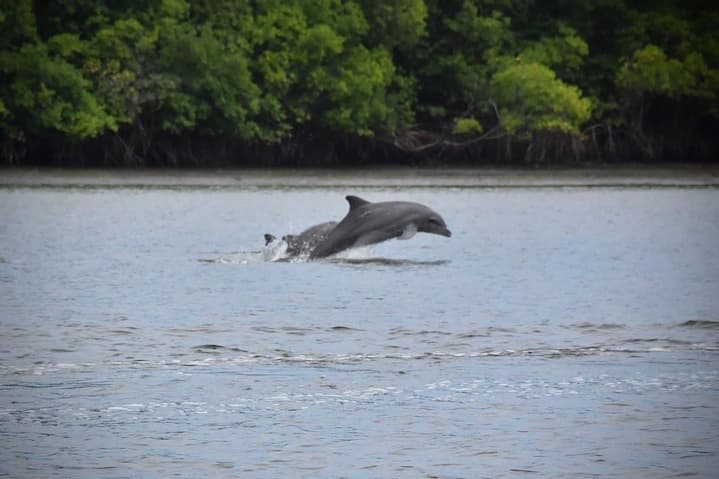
x: 306, y: 241
x: 368, y: 223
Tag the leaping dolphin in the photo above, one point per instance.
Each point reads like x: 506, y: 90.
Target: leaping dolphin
x: 368, y: 223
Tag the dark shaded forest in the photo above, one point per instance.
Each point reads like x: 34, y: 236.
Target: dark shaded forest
x: 332, y: 83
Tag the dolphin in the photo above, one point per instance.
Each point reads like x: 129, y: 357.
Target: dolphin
x: 306, y: 241
x: 368, y: 223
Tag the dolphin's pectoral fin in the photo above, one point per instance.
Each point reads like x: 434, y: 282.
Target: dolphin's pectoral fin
x: 408, y: 232
x: 355, y: 201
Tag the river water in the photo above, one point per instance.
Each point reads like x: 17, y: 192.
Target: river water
x: 561, y: 332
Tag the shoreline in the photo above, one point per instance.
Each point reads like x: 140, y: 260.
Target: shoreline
x: 678, y: 175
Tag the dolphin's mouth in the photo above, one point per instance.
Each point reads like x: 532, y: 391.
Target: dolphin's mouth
x: 444, y: 232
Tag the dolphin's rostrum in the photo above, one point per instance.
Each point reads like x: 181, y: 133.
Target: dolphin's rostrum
x: 366, y: 223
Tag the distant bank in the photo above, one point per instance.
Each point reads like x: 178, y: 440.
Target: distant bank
x: 671, y: 175
x: 600, y: 145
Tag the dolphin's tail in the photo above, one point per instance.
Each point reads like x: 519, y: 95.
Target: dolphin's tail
x: 269, y: 238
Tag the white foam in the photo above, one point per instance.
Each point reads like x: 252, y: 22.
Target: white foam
x: 361, y: 252
x: 274, y: 251
x: 126, y: 407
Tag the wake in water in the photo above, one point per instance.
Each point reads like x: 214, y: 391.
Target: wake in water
x: 272, y: 252
x: 387, y: 261
x: 700, y: 324
x: 245, y: 257
x: 277, y: 252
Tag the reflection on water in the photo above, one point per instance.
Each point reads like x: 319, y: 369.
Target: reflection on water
x: 388, y: 261
x: 271, y: 255
x: 559, y: 332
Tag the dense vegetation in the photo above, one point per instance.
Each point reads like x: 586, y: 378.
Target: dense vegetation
x: 300, y: 82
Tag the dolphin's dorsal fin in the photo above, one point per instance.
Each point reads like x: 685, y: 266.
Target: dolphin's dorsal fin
x: 356, y: 201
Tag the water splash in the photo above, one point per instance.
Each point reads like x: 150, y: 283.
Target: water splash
x: 387, y: 261
x: 246, y: 257
x: 275, y: 251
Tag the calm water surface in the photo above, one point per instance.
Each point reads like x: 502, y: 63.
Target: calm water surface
x: 561, y: 332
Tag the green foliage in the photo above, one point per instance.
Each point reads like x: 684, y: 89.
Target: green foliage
x: 211, y: 87
x: 668, y: 28
x: 230, y: 20
x: 47, y: 93
x: 400, y: 24
x: 485, y: 34
x: 454, y: 67
x: 262, y: 72
x: 530, y: 98
x: 178, y: 9
x: 565, y: 51
x: 358, y: 92
x: 17, y: 23
x: 346, y: 17
x: 467, y: 126
x: 651, y: 71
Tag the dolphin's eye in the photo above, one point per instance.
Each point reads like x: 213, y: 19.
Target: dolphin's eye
x: 433, y: 221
